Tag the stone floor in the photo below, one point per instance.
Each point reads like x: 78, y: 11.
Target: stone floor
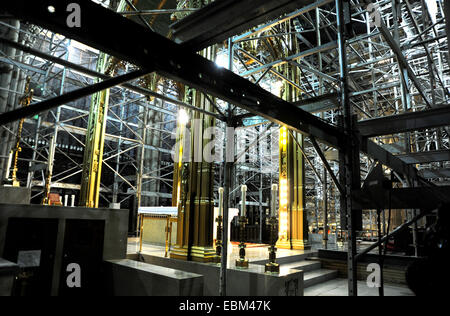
x: 252, y: 253
x: 339, y: 287
x: 336, y: 287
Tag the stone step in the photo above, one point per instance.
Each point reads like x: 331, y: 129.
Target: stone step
x: 313, y: 258
x: 318, y: 276
x: 304, y: 265
x: 288, y: 259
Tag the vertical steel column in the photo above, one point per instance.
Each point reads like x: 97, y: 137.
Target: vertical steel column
x: 225, y: 237
x: 380, y: 253
x: 261, y: 187
x: 347, y: 153
x: 415, y: 212
x: 325, y: 208
x: 228, y: 161
x: 321, y: 90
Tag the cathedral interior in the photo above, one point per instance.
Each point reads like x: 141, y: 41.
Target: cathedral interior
x: 224, y: 148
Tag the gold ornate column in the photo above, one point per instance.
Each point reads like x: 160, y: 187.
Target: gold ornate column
x: 194, y: 191
x: 293, y: 223
x: 95, y: 135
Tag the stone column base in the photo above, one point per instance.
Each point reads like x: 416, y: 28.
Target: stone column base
x: 283, y: 244
x: 180, y: 253
x: 203, y: 254
x: 295, y: 244
x: 299, y: 244
x: 198, y: 254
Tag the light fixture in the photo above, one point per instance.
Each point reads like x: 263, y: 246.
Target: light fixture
x: 283, y: 137
x: 278, y: 86
x: 51, y: 9
x: 183, y: 117
x: 223, y: 61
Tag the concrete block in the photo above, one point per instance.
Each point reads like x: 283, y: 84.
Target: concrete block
x: 15, y: 195
x: 114, y: 206
x: 8, y: 272
x: 255, y: 282
x: 132, y: 278
x: 116, y: 223
x: 241, y: 282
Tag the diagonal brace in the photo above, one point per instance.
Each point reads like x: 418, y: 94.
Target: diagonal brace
x: 326, y: 164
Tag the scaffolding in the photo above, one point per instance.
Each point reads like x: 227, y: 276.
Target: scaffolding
x: 362, y: 65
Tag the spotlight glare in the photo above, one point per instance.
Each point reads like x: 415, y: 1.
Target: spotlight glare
x: 183, y: 117
x: 222, y: 61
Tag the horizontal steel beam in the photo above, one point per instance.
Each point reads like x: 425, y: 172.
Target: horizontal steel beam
x: 386, y: 158
x: 407, y: 122
x: 156, y: 12
x: 425, y: 157
x: 288, y: 17
x: 435, y: 174
x: 425, y: 198
x: 152, y: 51
x: 320, y: 104
x: 223, y: 19
x: 323, y: 103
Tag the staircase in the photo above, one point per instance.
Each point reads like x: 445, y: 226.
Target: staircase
x: 312, y: 268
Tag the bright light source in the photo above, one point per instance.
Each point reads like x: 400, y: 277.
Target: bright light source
x: 82, y: 47
x: 432, y: 9
x: 51, y: 9
x: 70, y: 51
x: 223, y: 61
x: 283, y: 192
x: 283, y: 138
x: 183, y: 117
x: 278, y: 86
